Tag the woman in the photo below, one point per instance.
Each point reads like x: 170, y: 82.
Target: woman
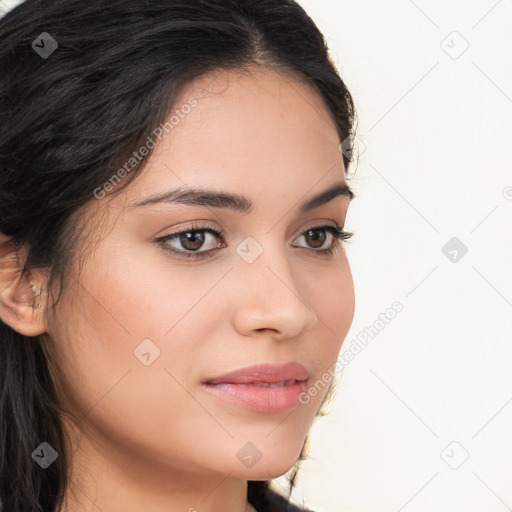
x: 174, y: 290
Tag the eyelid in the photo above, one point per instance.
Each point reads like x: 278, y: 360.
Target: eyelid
x: 194, y: 226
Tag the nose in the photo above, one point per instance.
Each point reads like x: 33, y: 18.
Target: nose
x: 268, y: 298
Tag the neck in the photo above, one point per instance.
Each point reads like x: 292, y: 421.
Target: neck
x: 111, y: 480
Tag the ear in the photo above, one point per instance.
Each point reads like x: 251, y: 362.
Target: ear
x: 20, y: 298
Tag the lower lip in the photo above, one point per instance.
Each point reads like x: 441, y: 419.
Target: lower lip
x: 260, y: 398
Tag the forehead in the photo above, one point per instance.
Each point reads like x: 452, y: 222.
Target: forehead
x: 245, y: 131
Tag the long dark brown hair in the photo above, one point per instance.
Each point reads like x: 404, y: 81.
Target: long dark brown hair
x: 69, y: 119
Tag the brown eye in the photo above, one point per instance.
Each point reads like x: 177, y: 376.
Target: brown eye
x: 192, y: 240
x: 189, y: 242
x: 317, y: 236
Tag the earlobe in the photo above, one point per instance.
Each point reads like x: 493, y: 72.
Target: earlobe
x: 20, y: 305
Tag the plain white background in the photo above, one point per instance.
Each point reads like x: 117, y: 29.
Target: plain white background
x: 423, y: 413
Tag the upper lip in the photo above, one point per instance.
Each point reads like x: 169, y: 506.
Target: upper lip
x: 270, y: 373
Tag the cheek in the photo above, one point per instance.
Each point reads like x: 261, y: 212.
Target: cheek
x: 333, y: 299
x: 146, y: 292
x: 103, y: 380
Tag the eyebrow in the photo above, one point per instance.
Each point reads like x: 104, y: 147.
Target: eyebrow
x: 214, y: 199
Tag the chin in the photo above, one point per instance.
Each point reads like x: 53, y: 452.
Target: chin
x: 266, y: 471
x: 272, y: 464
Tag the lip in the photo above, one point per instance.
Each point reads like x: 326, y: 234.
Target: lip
x: 259, y: 398
x: 262, y: 373
x: 249, y: 387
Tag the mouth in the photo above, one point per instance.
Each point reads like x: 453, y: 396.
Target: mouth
x: 257, y: 383
x: 283, y: 374
x: 264, y: 397
x: 264, y: 384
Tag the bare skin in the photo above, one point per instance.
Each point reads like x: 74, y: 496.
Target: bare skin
x: 149, y: 437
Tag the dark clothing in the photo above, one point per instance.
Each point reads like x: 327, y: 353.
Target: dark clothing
x: 281, y: 504
x: 274, y: 502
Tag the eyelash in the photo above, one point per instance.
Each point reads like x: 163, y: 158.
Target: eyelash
x: 338, y: 234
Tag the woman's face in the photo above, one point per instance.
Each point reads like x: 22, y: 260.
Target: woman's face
x: 146, y: 327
